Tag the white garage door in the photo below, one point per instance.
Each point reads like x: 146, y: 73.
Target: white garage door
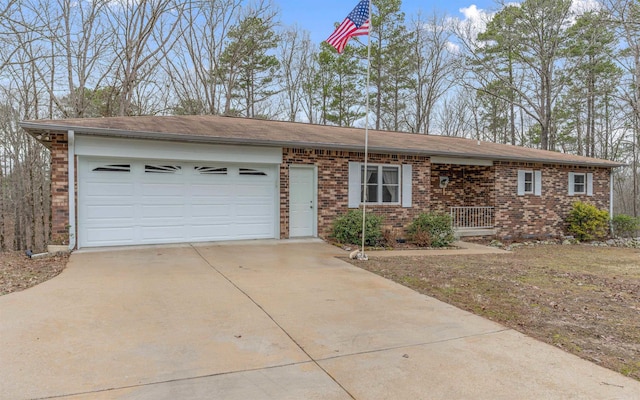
x: 124, y: 202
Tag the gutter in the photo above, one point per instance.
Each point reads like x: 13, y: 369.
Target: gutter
x: 71, y: 168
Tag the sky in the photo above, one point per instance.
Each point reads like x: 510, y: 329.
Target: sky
x: 319, y: 17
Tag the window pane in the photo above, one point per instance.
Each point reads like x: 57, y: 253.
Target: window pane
x: 528, y: 187
x: 579, y: 183
x: 372, y: 193
x: 390, y: 194
x: 389, y: 175
x: 372, y: 175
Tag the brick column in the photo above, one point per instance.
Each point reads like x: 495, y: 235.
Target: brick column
x: 59, y: 189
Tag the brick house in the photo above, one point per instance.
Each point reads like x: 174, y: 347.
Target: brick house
x: 143, y: 180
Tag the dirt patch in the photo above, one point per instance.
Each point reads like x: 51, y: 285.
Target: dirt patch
x: 19, y: 272
x: 583, y: 299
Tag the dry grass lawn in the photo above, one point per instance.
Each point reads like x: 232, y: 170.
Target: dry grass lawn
x: 583, y: 299
x: 18, y: 272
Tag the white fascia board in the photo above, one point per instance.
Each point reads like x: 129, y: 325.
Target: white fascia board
x: 460, y: 161
x: 99, y: 146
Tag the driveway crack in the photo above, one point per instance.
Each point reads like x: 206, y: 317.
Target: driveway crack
x: 313, y: 360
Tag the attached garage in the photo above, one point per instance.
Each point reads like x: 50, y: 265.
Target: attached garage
x: 212, y: 196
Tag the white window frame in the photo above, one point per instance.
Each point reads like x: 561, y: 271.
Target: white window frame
x: 587, y: 184
x: 379, y: 185
x: 536, y: 182
x: 355, y: 185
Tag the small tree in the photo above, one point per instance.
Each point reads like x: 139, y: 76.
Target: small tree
x: 625, y: 225
x: 586, y: 222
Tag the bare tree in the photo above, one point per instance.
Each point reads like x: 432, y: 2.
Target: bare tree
x: 434, y: 63
x: 142, y: 32
x: 295, y: 58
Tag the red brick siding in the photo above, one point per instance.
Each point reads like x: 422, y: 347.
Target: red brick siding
x: 469, y: 186
x: 333, y: 186
x: 59, y: 189
x: 542, y: 216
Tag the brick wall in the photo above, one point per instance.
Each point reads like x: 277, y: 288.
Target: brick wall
x: 333, y: 186
x: 59, y: 189
x: 531, y: 216
x: 469, y: 186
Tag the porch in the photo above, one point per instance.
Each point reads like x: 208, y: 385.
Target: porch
x: 466, y: 190
x: 473, y: 221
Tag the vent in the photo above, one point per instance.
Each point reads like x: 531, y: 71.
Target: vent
x: 211, y: 170
x: 254, y: 172
x: 114, y: 168
x: 162, y: 169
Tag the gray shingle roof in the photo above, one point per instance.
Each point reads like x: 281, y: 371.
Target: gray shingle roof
x: 228, y: 130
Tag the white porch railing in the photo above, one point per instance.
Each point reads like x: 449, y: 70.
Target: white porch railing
x: 472, y: 217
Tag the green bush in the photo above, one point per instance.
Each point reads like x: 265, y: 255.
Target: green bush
x: 586, y: 222
x: 431, y: 230
x: 625, y: 225
x: 347, y: 229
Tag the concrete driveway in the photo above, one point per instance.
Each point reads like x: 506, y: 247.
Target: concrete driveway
x: 266, y: 320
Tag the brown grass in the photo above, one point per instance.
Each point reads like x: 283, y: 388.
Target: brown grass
x: 583, y: 299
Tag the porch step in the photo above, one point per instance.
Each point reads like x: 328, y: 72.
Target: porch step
x: 465, y: 232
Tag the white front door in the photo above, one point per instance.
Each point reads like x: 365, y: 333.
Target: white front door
x: 302, y: 207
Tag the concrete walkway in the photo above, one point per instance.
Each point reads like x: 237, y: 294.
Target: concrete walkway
x: 461, y: 248
x: 266, y: 320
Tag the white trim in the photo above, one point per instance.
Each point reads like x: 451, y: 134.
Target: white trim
x: 355, y: 185
x: 460, y: 161
x: 407, y: 183
x: 97, y: 146
x: 380, y: 184
x: 571, y: 191
x: 589, y: 184
x: 521, y: 185
x: 71, y: 168
x: 537, y: 183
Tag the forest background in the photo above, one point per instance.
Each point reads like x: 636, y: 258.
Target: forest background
x: 560, y: 75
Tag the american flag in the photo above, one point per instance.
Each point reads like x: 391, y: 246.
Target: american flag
x: 356, y: 24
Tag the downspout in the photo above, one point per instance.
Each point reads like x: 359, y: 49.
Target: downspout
x: 611, y: 201
x: 71, y: 167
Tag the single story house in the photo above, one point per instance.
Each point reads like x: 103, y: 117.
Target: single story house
x: 171, y: 179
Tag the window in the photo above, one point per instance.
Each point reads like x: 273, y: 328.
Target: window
x: 381, y: 183
x: 211, y: 170
x: 529, y: 182
x: 250, y: 171
x: 384, y: 184
x: 162, y: 169
x: 113, y: 168
x: 580, y: 183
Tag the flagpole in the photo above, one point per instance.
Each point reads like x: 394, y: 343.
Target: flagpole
x: 363, y: 255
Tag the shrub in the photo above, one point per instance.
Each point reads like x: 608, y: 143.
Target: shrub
x: 625, y: 225
x: 347, y: 229
x: 586, y: 222
x: 431, y: 230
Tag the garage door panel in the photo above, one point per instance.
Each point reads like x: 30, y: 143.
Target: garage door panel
x: 162, y: 211
x: 111, y: 236
x: 162, y: 234
x: 111, y: 189
x: 110, y: 212
x: 166, y: 202
x: 202, y: 211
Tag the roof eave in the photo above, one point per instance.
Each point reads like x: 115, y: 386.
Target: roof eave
x: 35, y: 127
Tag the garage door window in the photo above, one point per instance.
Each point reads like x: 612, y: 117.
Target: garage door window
x: 210, y: 170
x: 253, y: 172
x: 162, y: 169
x: 113, y: 168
